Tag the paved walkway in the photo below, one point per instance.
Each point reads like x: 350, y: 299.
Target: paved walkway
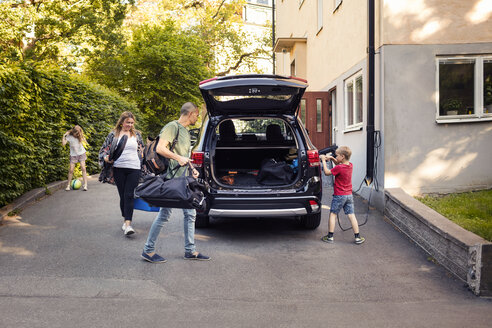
x: 65, y: 263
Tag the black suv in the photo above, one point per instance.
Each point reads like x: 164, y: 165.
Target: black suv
x: 254, y: 153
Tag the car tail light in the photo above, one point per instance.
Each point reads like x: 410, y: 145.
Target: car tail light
x: 314, y: 205
x: 197, y: 158
x: 313, y: 157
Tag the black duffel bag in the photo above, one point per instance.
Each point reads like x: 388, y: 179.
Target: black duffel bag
x: 274, y: 173
x: 180, y: 192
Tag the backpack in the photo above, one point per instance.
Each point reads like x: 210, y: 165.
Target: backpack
x: 154, y: 162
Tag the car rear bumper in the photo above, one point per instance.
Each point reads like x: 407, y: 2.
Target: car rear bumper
x: 264, y: 207
x: 217, y: 212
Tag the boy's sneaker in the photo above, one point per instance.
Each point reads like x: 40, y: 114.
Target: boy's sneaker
x: 327, y: 239
x: 67, y: 188
x: 359, y: 240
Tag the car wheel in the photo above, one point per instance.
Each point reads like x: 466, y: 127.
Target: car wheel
x: 311, y: 221
x: 202, y: 221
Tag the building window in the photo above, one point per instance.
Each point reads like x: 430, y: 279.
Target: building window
x: 256, y: 15
x: 260, y: 2
x: 319, y: 115
x: 293, y: 68
x: 487, y: 86
x: 336, y: 4
x: 303, y: 111
x: 320, y: 15
x: 464, y: 88
x: 354, y: 101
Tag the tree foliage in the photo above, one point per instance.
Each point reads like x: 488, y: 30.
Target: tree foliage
x: 37, y: 105
x: 159, y: 70
x: 219, y: 23
x: 59, y: 31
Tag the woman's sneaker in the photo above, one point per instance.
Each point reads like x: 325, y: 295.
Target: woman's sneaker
x: 129, y: 231
x: 359, y: 240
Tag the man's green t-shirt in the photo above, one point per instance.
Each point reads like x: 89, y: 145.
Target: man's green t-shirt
x: 182, y: 147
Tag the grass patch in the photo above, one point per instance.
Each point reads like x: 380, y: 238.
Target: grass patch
x: 470, y: 210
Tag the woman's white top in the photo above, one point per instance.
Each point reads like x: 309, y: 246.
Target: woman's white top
x: 76, y: 147
x: 129, y: 157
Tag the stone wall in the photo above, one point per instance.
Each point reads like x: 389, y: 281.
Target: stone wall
x: 464, y: 254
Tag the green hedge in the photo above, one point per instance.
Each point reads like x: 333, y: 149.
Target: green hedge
x: 37, y: 105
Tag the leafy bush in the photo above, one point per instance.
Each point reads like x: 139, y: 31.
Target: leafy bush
x: 37, y: 105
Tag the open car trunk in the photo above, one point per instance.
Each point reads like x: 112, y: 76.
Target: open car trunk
x: 254, y: 153
x: 255, y: 167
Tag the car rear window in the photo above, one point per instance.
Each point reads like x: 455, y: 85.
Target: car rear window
x: 249, y: 92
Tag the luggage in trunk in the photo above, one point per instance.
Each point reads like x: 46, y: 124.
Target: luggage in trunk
x: 246, y: 166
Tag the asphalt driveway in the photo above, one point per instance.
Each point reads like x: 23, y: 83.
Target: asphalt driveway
x: 65, y: 263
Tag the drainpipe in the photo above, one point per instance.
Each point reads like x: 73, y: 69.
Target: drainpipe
x: 273, y: 35
x: 370, y: 101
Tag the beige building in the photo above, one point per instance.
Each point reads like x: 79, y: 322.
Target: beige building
x: 432, y: 87
x: 257, y: 18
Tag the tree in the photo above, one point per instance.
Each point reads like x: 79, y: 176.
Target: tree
x: 161, y: 70
x: 60, y: 31
x: 219, y: 24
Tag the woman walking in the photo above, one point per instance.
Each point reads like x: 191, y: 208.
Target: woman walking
x: 75, y: 137
x: 123, y: 149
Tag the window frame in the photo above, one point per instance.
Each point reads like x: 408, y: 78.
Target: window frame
x: 479, y: 114
x: 356, y: 126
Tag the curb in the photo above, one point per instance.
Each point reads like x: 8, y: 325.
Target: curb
x: 31, y: 197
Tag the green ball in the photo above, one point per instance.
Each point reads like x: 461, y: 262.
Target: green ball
x: 76, y: 184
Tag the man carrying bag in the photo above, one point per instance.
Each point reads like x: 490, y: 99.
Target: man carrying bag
x: 179, y: 158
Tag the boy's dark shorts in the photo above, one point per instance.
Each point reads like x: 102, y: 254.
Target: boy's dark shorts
x: 345, y: 201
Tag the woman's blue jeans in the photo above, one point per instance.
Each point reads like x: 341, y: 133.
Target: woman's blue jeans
x: 163, y: 217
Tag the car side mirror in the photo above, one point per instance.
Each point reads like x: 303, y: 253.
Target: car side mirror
x: 194, y: 134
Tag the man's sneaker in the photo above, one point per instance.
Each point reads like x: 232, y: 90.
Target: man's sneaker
x: 123, y: 227
x: 154, y: 258
x: 327, y: 239
x: 129, y: 231
x: 196, y: 256
x: 359, y: 240
x: 67, y: 188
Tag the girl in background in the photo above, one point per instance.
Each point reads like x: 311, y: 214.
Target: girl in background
x: 75, y: 137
